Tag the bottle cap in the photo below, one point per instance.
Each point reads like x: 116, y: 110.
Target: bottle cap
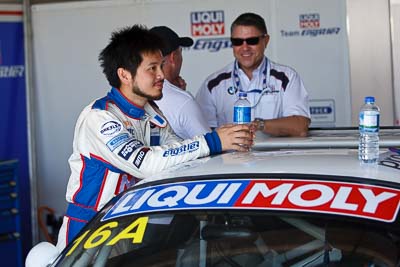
x: 242, y: 94
x: 369, y: 99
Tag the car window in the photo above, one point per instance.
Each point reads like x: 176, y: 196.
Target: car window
x: 222, y: 238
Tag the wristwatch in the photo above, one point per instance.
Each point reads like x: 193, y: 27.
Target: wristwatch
x: 260, y: 123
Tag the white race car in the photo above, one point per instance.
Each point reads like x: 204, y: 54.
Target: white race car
x: 273, y: 209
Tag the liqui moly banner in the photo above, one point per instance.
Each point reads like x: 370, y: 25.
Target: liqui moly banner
x: 13, y: 136
x: 206, y: 23
x: 339, y: 198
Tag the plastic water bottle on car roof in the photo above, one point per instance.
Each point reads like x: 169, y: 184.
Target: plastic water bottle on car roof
x: 368, y: 147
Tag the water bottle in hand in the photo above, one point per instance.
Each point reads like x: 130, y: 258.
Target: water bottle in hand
x: 242, y: 110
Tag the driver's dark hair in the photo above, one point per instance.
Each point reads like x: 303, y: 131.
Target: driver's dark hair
x: 126, y: 49
x: 250, y: 19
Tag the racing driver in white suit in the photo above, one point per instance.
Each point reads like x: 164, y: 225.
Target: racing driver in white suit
x: 122, y: 137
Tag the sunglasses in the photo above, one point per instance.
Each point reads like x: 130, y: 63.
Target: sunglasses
x: 249, y: 41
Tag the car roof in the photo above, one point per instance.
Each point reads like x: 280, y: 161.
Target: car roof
x: 317, y: 162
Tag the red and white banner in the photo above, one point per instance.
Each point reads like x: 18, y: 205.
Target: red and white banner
x: 314, y: 196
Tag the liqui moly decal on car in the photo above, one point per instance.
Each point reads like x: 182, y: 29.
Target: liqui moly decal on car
x: 340, y: 198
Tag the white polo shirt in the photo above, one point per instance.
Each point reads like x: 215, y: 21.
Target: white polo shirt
x: 182, y: 112
x: 275, y: 91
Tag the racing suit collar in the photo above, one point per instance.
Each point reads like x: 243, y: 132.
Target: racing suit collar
x: 125, y: 105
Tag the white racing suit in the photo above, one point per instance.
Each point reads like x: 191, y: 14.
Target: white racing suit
x: 116, y: 144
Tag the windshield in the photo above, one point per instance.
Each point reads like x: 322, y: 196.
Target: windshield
x: 235, y: 238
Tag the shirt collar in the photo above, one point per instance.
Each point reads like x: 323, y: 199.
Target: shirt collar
x: 257, y: 72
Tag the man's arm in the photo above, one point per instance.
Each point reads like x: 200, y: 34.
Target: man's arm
x: 296, y: 111
x: 104, y: 136
x: 286, y: 126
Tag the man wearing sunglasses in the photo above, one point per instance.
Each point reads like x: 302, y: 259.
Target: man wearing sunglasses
x: 276, y: 92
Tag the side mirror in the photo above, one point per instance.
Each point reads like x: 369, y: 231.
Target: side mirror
x: 41, y: 255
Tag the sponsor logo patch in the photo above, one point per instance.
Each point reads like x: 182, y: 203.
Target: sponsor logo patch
x: 117, y: 141
x: 206, y: 23
x: 110, y: 128
x: 209, y: 26
x: 309, y: 20
x: 140, y: 157
x: 309, y: 26
x: 182, y: 149
x: 314, y: 196
x: 127, y: 150
x: 212, y: 44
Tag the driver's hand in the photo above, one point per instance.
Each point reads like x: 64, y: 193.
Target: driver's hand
x: 236, y: 137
